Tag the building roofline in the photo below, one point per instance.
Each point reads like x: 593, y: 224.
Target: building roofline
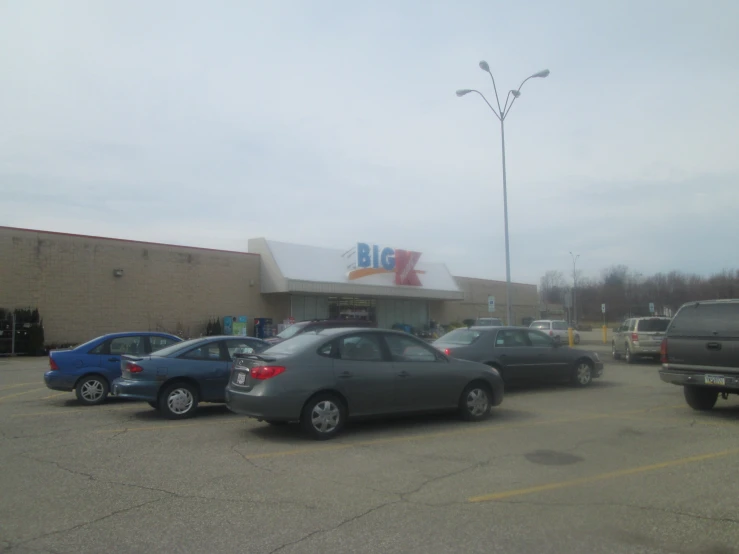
x: 131, y: 241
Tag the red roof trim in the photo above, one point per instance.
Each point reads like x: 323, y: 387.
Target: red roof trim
x: 126, y: 240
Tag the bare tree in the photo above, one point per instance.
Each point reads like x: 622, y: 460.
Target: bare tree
x: 552, y: 287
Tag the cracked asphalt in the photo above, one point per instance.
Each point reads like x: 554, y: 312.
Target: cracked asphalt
x: 623, y: 466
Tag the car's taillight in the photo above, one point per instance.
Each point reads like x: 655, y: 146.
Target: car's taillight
x: 663, y: 351
x: 635, y: 337
x: 52, y: 364
x: 134, y: 368
x: 551, y: 333
x: 447, y: 351
x: 262, y: 372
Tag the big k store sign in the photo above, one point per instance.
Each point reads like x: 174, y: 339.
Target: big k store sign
x: 376, y: 260
x: 388, y: 284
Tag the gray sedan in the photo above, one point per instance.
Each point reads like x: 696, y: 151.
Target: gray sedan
x: 322, y: 379
x: 522, y: 354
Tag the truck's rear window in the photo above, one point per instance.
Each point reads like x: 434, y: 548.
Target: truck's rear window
x: 707, y: 320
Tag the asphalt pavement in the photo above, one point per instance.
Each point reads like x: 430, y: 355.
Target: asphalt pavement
x: 622, y: 466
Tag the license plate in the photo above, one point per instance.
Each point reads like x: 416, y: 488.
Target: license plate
x: 714, y: 380
x: 241, y: 378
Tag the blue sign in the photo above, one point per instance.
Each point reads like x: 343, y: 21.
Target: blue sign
x: 371, y: 256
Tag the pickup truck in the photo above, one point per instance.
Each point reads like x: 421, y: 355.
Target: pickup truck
x: 700, y: 352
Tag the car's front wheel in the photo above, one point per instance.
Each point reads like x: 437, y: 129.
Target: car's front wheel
x: 700, y: 398
x: 614, y: 354
x: 178, y: 401
x: 92, y: 390
x: 583, y: 374
x: 475, y: 404
x: 323, y: 416
x: 577, y: 339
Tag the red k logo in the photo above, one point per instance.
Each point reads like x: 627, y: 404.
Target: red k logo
x: 405, y: 268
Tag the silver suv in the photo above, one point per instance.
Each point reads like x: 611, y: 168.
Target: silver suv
x: 555, y: 328
x: 639, y: 336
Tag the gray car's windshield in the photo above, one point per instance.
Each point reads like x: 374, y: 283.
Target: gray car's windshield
x: 175, y: 348
x: 540, y: 325
x: 291, y: 331
x: 295, y: 344
x: 461, y: 336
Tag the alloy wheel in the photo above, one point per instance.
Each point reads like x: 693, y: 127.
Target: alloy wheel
x: 477, y: 402
x: 325, y: 416
x: 92, y: 390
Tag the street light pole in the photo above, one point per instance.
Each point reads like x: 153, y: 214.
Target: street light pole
x: 574, y: 286
x: 501, y: 114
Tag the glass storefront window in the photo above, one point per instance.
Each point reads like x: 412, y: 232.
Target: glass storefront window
x: 349, y: 307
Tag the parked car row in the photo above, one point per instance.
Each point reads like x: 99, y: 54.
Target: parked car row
x: 320, y: 376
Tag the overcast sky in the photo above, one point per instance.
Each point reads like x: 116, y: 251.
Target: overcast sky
x: 327, y: 123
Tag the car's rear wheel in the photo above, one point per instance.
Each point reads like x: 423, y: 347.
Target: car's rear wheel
x: 583, y: 374
x: 700, y: 398
x: 178, y: 401
x: 92, y: 390
x: 629, y: 356
x: 615, y: 355
x: 475, y: 402
x: 323, y: 416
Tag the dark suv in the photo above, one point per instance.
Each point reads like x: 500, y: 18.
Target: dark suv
x: 700, y: 351
x: 317, y: 325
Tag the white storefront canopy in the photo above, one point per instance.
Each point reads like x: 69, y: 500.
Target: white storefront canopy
x: 364, y: 270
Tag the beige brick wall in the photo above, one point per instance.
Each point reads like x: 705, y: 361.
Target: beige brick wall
x: 524, y: 299
x: 173, y: 288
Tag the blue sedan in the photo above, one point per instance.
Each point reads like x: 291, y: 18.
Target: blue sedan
x: 90, y: 368
x: 175, y: 379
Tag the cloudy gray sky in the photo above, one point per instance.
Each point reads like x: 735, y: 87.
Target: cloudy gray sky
x: 328, y: 123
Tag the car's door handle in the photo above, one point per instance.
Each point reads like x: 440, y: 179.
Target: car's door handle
x: 713, y: 345
x: 114, y: 359
x: 345, y: 375
x: 404, y: 374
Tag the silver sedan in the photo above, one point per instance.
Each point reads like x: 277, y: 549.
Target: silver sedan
x: 323, y: 379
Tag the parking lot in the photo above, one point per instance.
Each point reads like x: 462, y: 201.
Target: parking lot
x: 620, y: 466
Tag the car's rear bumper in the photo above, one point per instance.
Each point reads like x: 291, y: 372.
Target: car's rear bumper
x: 56, y: 380
x: 261, y: 406
x: 646, y: 350
x: 694, y: 378
x: 140, y: 390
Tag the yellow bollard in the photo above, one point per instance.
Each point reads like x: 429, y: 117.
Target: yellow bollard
x: 605, y: 334
x: 571, y: 335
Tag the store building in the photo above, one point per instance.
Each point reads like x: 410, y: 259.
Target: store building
x: 85, y: 286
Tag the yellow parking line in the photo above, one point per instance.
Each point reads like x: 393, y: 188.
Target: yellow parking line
x: 601, y: 477
x: 54, y: 395
x: 170, y: 427
x: 21, y: 393
x: 6, y: 387
x: 63, y: 411
x: 663, y: 419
